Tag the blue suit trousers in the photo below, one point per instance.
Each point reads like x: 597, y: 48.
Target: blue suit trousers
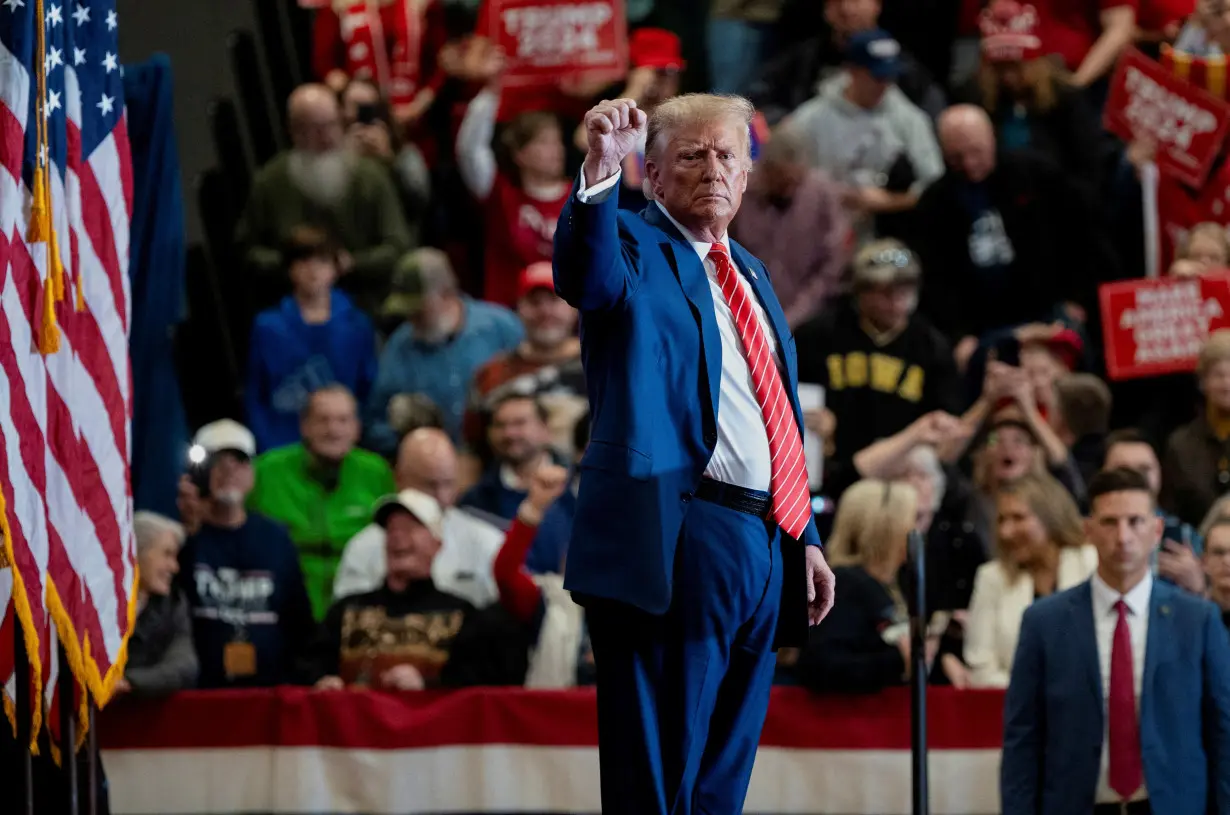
x: 682, y: 697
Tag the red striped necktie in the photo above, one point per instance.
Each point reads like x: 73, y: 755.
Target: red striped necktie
x: 791, y: 498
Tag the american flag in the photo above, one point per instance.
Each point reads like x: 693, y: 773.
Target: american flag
x: 65, y: 436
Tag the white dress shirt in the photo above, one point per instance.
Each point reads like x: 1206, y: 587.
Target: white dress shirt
x: 741, y: 456
x: 1105, y: 619
x: 463, y: 566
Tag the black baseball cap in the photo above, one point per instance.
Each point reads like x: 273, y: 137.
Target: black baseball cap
x: 877, y: 51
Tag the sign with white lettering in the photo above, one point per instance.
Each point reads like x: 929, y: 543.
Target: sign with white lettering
x: 547, y: 39
x: 1153, y: 327
x: 1188, y: 124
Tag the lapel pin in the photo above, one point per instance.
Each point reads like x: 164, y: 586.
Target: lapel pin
x: 1165, y: 610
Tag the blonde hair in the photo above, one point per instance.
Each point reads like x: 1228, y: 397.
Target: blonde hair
x: 873, y: 519
x: 1043, y: 77
x: 1216, y: 349
x: 147, y: 526
x: 1052, y: 504
x: 1205, y: 229
x: 692, y: 108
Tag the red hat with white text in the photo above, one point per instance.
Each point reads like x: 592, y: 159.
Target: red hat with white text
x: 1009, y: 32
x: 536, y: 276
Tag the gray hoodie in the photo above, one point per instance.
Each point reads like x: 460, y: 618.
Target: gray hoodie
x: 858, y: 146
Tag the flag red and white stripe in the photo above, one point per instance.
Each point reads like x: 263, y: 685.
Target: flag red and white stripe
x: 65, y: 435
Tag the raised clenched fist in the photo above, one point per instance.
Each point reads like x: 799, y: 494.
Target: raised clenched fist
x: 613, y: 129
x: 546, y: 484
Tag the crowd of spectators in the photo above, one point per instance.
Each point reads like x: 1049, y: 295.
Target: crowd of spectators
x: 936, y: 205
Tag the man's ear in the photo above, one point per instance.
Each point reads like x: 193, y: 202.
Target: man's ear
x: 653, y: 178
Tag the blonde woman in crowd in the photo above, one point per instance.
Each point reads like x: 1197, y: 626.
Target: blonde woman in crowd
x: 161, y: 656
x: 1205, y: 248
x: 1040, y: 550
x: 864, y: 644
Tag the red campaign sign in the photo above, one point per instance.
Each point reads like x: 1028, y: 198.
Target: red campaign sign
x: 1153, y: 327
x: 547, y: 39
x: 1188, y: 123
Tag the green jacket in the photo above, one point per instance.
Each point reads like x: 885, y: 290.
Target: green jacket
x: 368, y: 222
x: 320, y: 522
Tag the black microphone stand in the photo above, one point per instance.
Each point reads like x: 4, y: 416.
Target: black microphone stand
x: 918, y: 675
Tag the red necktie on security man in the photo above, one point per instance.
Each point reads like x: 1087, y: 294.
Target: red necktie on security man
x: 1124, y: 771
x: 791, y: 498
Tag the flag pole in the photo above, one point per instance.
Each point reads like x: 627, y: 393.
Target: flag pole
x: 918, y: 676
x: 91, y: 747
x: 68, y: 730
x: 24, y: 712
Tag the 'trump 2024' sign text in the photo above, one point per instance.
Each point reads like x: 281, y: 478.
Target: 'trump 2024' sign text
x: 546, y: 39
x: 1188, y: 124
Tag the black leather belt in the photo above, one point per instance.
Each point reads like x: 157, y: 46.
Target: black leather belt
x: 740, y: 499
x: 1126, y: 808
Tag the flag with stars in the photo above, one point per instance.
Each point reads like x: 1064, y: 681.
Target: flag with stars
x: 65, y: 394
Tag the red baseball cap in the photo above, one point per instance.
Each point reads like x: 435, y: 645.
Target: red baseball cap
x: 538, y: 275
x: 655, y: 48
x: 1010, y: 32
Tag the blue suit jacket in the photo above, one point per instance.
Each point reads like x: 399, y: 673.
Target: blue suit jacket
x: 1053, y: 713
x: 653, y: 366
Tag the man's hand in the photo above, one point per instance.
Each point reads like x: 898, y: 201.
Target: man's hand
x: 821, y: 586
x: 935, y: 428
x: 122, y: 686
x: 372, y: 140
x: 956, y: 671
x: 546, y: 484
x: 190, y: 505
x: 330, y: 683
x: 964, y: 351
x: 612, y: 131
x: 867, y: 199
x: 1179, y: 564
x: 402, y: 677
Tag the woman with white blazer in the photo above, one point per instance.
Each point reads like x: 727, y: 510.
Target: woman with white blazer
x: 1041, y: 550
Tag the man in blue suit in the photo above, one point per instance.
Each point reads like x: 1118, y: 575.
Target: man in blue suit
x: 694, y: 549
x: 1120, y: 694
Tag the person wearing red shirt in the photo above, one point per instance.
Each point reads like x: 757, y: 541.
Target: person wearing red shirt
x: 1088, y: 35
x: 394, y: 44
x: 522, y: 194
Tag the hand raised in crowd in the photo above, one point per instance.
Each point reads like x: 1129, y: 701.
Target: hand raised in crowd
x: 546, y: 484
x: 935, y: 428
x: 1178, y: 563
x: 477, y: 60
x: 820, y: 421
x: 964, y: 352
x: 372, y: 140
x: 613, y: 130
x: 190, y: 505
x: 329, y: 683
x: 402, y: 677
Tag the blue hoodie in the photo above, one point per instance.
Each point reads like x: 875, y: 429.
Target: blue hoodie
x: 290, y: 359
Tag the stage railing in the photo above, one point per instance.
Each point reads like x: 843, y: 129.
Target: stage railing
x: 496, y: 750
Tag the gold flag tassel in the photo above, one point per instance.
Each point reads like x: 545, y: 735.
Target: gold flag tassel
x: 42, y: 225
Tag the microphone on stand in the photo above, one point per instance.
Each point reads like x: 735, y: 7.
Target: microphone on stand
x: 918, y: 674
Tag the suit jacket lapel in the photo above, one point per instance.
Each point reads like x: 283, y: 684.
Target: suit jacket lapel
x: 754, y: 271
x: 690, y: 272
x: 1085, y: 638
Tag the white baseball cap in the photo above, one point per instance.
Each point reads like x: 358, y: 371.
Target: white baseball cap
x: 225, y: 434
x: 423, y: 507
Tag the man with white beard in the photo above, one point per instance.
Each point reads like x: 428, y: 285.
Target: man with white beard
x: 323, y: 182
